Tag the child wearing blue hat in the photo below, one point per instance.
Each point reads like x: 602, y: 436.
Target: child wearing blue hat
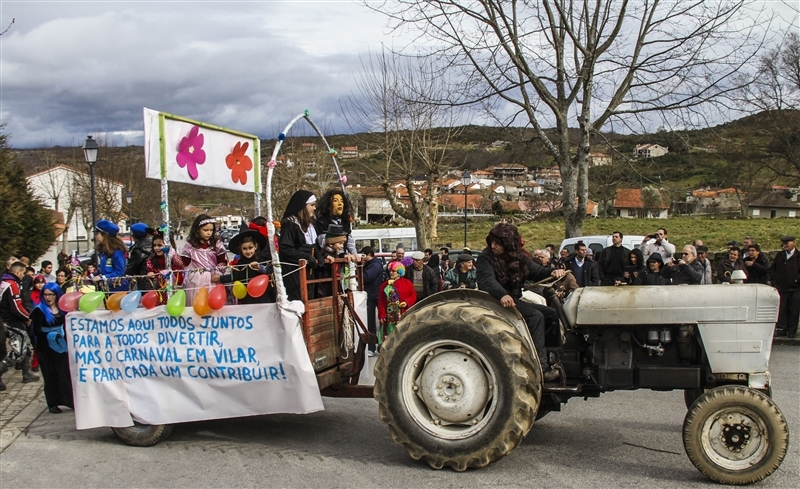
x: 111, y: 252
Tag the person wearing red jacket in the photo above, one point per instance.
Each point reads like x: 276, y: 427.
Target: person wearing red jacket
x: 395, y: 296
x: 16, y: 318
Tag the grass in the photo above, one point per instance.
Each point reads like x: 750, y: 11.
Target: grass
x: 715, y: 233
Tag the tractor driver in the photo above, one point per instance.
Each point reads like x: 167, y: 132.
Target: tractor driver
x: 503, y: 267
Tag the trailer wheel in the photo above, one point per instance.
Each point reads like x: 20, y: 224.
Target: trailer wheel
x: 457, y: 385
x: 143, y: 435
x: 735, y: 435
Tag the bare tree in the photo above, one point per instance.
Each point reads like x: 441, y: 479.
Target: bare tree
x: 566, y: 63
x: 775, y: 93
x: 396, y: 100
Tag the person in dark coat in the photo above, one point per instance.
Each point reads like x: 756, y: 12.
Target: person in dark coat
x: 757, y: 265
x: 685, y: 269
x: 611, y: 262
x: 51, y: 346
x: 655, y: 274
x: 139, y: 252
x: 426, y: 281
x: 728, y: 265
x: 583, y: 269
x: 785, y: 270
x: 15, y: 318
x: 246, y: 267
x: 503, y: 268
x: 373, y: 277
x: 635, y: 268
x: 297, y: 240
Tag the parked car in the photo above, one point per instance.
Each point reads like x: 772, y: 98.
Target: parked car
x: 597, y: 243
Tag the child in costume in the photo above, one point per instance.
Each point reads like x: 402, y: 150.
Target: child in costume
x: 156, y: 263
x: 297, y: 241
x: 201, y: 255
x: 112, y: 255
x: 333, y: 247
x: 248, y: 245
x: 395, y: 296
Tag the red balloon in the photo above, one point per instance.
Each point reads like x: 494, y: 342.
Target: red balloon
x: 258, y: 286
x: 216, y: 299
x: 150, y: 299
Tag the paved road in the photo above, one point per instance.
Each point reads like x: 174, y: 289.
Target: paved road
x: 619, y: 440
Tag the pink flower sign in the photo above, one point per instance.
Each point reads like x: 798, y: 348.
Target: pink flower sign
x: 190, y: 152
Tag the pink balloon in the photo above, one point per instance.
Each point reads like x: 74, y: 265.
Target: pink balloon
x: 217, y: 296
x: 258, y: 286
x: 69, y: 301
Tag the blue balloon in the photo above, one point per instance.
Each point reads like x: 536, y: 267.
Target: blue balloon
x: 130, y: 302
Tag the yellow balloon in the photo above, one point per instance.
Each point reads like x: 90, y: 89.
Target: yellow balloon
x: 200, y: 304
x: 113, y: 301
x: 239, y: 290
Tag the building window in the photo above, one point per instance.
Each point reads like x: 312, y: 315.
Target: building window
x: 792, y: 213
x: 756, y: 212
x: 631, y: 212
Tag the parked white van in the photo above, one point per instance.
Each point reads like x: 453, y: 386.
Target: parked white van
x: 598, y: 243
x: 386, y: 240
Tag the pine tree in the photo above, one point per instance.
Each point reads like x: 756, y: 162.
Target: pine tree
x: 26, y: 226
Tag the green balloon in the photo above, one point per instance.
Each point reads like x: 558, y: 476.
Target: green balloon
x: 176, y: 303
x: 91, y: 301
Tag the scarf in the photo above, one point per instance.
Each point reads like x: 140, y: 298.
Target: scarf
x: 56, y: 339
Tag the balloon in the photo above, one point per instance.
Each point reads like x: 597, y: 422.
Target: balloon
x: 69, y: 301
x: 216, y: 299
x: 239, y: 290
x: 150, y: 299
x: 177, y: 303
x: 130, y: 302
x: 112, y: 303
x: 200, y: 304
x: 91, y: 301
x: 258, y: 286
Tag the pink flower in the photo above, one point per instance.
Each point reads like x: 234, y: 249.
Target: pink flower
x: 190, y: 152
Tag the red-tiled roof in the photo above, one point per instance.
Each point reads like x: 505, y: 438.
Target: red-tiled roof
x: 631, y: 198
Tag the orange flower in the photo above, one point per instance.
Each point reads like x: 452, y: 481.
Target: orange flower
x: 239, y: 163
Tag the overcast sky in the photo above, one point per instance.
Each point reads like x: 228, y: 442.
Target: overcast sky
x: 72, y: 68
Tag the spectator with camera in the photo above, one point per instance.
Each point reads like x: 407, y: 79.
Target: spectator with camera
x: 757, y: 265
x: 686, y: 269
x: 658, y: 242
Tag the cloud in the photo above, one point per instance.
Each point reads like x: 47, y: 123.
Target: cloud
x: 83, y: 68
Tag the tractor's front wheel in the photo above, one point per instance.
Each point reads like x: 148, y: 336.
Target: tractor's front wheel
x: 457, y: 385
x: 143, y: 435
x: 735, y: 435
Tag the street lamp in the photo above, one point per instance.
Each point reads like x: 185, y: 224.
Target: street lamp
x: 466, y: 179
x: 90, y: 152
x: 129, y: 199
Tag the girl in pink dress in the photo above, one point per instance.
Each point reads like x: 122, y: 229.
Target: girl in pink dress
x: 202, y: 250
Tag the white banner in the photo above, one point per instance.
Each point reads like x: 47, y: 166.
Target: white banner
x: 183, y: 150
x: 157, y: 369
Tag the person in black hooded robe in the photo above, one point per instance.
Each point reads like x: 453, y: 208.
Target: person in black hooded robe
x: 297, y: 240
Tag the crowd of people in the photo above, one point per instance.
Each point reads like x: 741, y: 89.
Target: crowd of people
x: 318, y: 235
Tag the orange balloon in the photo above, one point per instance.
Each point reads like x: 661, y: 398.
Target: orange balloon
x: 200, y: 304
x: 216, y: 298
x: 112, y: 303
x: 150, y: 299
x: 258, y: 286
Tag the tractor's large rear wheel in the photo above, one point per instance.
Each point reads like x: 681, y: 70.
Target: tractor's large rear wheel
x: 143, y: 435
x: 457, y: 385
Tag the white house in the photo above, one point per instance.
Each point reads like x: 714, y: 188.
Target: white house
x: 649, y: 151
x: 60, y: 188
